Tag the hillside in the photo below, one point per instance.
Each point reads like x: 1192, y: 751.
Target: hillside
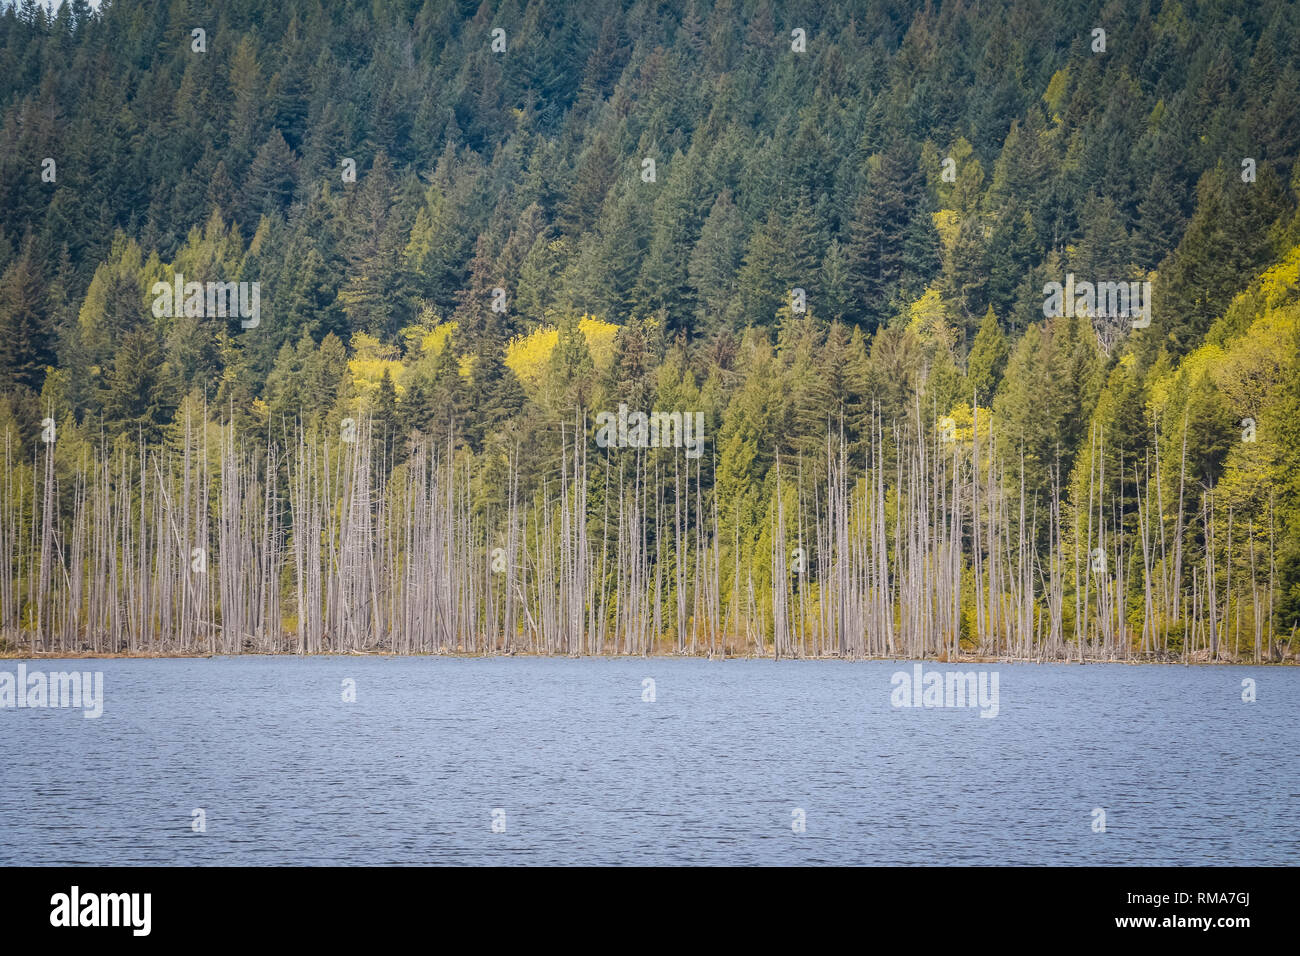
x: 827, y: 230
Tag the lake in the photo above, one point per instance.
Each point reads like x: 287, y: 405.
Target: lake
x: 443, y: 760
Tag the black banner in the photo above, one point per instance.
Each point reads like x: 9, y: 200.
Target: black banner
x: 333, y: 905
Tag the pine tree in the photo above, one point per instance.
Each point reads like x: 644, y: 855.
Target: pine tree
x: 570, y: 382
x: 373, y: 297
x: 715, y: 262
x: 386, y: 424
x: 835, y: 297
x: 988, y: 359
x: 1227, y: 243
x: 137, y: 394
x: 893, y: 249
x: 1160, y: 222
x: 675, y: 226
x: 25, y: 347
x: 763, y: 276
x: 271, y: 179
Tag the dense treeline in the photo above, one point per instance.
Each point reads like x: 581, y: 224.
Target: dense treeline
x: 645, y: 191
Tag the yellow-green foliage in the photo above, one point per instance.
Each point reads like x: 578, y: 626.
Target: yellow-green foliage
x: 1246, y: 368
x: 961, y: 421
x: 1250, y: 374
x: 1249, y: 356
x: 371, y: 359
x: 600, y: 340
x: 427, y: 337
x: 125, y: 262
x: 946, y: 223
x: 930, y: 320
x: 1271, y: 291
x: 1054, y: 97
x: 434, y: 342
x: 527, y: 355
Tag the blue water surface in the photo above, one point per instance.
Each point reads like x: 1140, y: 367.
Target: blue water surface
x: 577, y: 767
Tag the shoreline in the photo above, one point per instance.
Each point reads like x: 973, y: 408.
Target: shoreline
x: 467, y: 655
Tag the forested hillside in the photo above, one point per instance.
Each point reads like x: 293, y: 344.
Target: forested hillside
x: 475, y: 228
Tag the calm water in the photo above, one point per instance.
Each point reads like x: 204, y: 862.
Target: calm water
x: 709, y: 772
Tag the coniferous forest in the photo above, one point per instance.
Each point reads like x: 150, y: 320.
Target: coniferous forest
x: 669, y: 326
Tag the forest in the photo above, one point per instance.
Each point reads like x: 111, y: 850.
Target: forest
x: 315, y: 316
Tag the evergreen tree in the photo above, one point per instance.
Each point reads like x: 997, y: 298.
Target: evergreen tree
x: 25, y: 348
x: 893, y: 249
x: 1228, y: 241
x: 137, y: 392
x: 988, y: 359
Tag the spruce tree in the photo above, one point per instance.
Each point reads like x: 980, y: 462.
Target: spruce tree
x: 988, y: 359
